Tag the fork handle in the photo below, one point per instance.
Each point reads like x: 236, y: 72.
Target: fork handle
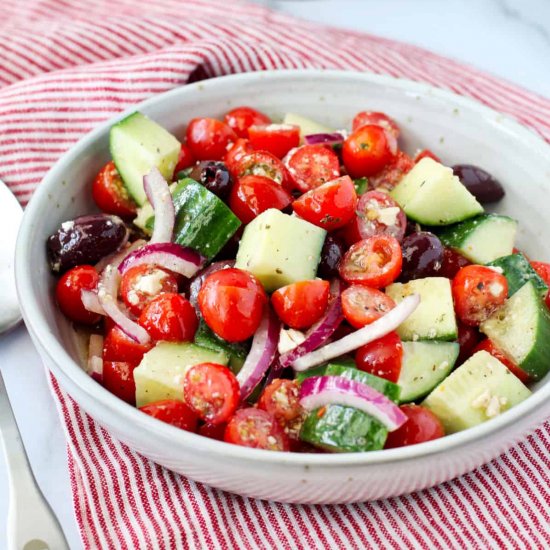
x: 31, y: 522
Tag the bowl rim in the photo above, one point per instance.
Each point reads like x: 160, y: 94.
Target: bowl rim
x: 37, y: 325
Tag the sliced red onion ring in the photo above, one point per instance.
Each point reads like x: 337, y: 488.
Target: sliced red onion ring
x: 319, y: 391
x: 91, y: 302
x: 321, y: 331
x: 261, y: 354
x: 171, y: 256
x: 158, y: 192
x: 95, y: 354
x: 197, y: 282
x: 382, y: 326
x: 328, y: 138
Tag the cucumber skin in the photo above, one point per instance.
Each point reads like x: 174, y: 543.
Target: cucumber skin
x: 455, y: 235
x: 518, y: 271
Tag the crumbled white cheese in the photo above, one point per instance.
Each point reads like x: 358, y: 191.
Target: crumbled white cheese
x: 491, y: 403
x: 151, y: 283
x: 496, y: 289
x: 289, y: 339
x: 496, y: 268
x: 133, y: 297
x: 482, y: 400
x: 444, y: 365
x: 493, y: 408
x: 388, y: 216
x: 67, y: 226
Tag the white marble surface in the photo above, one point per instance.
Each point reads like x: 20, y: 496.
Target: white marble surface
x: 510, y: 38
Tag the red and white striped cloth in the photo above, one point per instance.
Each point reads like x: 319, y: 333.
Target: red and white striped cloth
x: 65, y: 66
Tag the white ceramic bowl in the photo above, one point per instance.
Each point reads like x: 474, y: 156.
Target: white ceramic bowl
x: 455, y: 128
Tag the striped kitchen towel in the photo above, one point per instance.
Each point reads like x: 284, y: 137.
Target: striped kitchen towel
x: 67, y: 65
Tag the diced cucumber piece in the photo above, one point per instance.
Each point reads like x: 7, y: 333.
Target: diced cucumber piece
x: 482, y: 239
x: 518, y: 271
x: 432, y: 195
x: 236, y: 352
x: 307, y: 126
x: 434, y: 318
x: 521, y: 330
x: 321, y: 370
x: 480, y: 389
x: 138, y: 144
x: 162, y: 370
x: 280, y: 249
x: 424, y: 366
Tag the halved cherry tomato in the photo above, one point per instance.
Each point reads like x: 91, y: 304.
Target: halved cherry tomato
x: 211, y: 391
x: 235, y: 153
x: 543, y: 270
x: 173, y: 412
x: 259, y: 163
x: 110, y: 193
x: 330, y: 206
x: 208, y: 138
x: 452, y: 263
x: 169, y: 317
x: 68, y: 293
x: 425, y: 153
x: 185, y: 159
x: 281, y: 399
x: 477, y: 292
x: 310, y: 166
x: 379, y: 214
x: 213, y: 431
x: 488, y: 346
x: 232, y: 302
x: 365, y: 118
x: 252, y: 195
x: 121, y: 348
x: 241, y: 119
x: 300, y: 305
x: 142, y: 283
x: 366, y: 151
x: 118, y: 378
x: 278, y: 139
x: 374, y: 262
x: 382, y: 357
x: 363, y: 305
x: 421, y: 426
x: 391, y: 174
x: 256, y: 428
x: 468, y: 338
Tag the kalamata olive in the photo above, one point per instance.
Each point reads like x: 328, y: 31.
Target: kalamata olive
x: 468, y: 339
x: 214, y: 175
x: 85, y: 240
x: 412, y: 227
x: 422, y: 256
x: 331, y: 254
x: 452, y: 263
x: 483, y: 186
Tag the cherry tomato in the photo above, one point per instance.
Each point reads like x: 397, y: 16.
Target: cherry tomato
x: 421, y: 426
x: 543, y: 270
x: 241, y: 119
x: 252, y: 195
x: 382, y: 357
x: 256, y: 428
x: 477, y: 292
x: 365, y: 118
x: 426, y: 153
x: 118, y: 378
x: 211, y: 391
x: 363, y: 305
x: 110, y: 193
x: 281, y: 399
x: 142, y: 283
x: 232, y: 302
x: 452, y: 263
x: 213, y: 431
x: 236, y: 152
x: 300, y: 305
x: 374, y: 262
x: 468, y: 338
x: 68, y: 293
x: 259, y: 163
x: 208, y: 138
x: 366, y: 151
x: 310, y: 166
x: 330, y: 206
x: 169, y: 317
x: 172, y: 412
x: 350, y: 232
x: 185, y: 159
x: 119, y: 347
x: 278, y: 139
x: 391, y: 174
x: 379, y: 214
x: 488, y: 346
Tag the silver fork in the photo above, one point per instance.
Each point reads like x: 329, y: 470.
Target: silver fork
x: 31, y: 524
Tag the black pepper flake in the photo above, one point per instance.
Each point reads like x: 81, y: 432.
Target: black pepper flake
x: 279, y: 271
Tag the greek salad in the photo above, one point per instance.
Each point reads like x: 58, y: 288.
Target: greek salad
x: 292, y: 287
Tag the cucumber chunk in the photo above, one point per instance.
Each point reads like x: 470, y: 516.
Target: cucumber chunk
x: 424, y: 366
x: 478, y: 390
x: 162, y: 370
x: 519, y: 271
x: 482, y: 239
x: 307, y: 126
x: 434, y: 318
x: 432, y: 195
x: 280, y: 249
x: 137, y: 144
x: 521, y: 330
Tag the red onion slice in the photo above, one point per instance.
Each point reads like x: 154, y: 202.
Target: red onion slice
x: 197, y: 282
x: 95, y: 357
x: 332, y: 138
x: 321, y: 331
x: 158, y: 192
x: 91, y: 302
x: 261, y: 354
x: 319, y: 391
x: 118, y: 256
x: 171, y: 256
x: 390, y: 321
